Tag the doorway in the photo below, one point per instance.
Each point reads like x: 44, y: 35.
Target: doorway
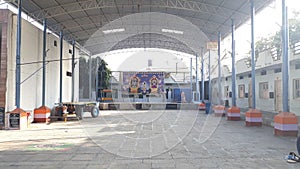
x: 278, y: 95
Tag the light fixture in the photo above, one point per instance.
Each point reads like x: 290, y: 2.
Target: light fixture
x: 113, y: 30
x: 172, y: 31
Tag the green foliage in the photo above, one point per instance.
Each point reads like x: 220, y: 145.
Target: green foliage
x: 104, y: 75
x: 294, y: 30
x: 102, y: 71
x: 275, y: 40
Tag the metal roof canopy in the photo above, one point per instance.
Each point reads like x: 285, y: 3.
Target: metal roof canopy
x: 80, y: 19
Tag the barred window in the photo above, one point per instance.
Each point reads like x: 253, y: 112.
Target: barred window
x: 264, y: 90
x: 226, y: 91
x: 296, y: 88
x: 263, y: 72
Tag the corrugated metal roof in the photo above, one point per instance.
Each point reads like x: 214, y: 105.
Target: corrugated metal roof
x: 81, y: 19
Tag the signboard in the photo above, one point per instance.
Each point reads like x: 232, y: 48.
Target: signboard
x: 143, y: 82
x: 2, y: 117
x: 212, y: 45
x: 14, y: 120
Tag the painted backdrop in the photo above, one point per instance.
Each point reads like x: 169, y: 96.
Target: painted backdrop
x: 143, y: 82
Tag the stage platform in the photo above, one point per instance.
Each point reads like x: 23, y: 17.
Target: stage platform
x: 147, y: 106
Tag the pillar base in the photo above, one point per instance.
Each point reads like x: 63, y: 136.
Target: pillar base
x: 18, y: 119
x: 42, y: 114
x: 202, y: 106
x: 253, y: 118
x: 257, y: 124
x: 219, y: 111
x: 234, y: 114
x: 286, y: 124
x: 285, y: 133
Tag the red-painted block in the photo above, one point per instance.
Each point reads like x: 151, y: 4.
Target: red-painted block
x: 234, y: 114
x: 253, y: 118
x: 201, y: 106
x: 42, y: 114
x: 286, y: 124
x: 219, y: 110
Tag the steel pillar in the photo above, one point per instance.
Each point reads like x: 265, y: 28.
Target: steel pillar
x: 60, y: 66
x: 209, y: 79
x: 253, y: 56
x: 73, y: 67
x: 191, y: 77
x: 202, y: 76
x: 18, y: 55
x: 97, y: 78
x: 90, y: 78
x: 285, y: 59
x: 197, y: 83
x: 44, y: 62
x: 219, y: 68
x: 233, y: 76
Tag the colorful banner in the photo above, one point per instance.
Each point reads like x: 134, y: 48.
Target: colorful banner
x: 143, y: 82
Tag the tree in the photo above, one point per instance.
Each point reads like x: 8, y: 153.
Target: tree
x: 294, y: 31
x: 275, y: 40
x: 104, y: 75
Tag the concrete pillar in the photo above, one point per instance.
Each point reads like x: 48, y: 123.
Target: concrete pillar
x: 253, y: 116
x: 234, y: 113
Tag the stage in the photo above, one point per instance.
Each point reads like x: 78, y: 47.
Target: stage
x: 147, y: 106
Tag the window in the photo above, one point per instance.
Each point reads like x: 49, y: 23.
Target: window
x: 263, y: 72
x: 55, y: 43
x: 149, y: 62
x: 70, y: 51
x: 69, y: 73
x: 277, y: 70
x: 226, y: 91
x: 296, y: 88
x: 276, y: 53
x: 241, y: 91
x: 249, y: 75
x: 263, y: 90
x: 297, y: 66
x: 297, y: 48
x: 241, y: 77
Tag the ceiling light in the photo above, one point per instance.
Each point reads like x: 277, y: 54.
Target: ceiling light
x: 113, y: 30
x: 172, y: 31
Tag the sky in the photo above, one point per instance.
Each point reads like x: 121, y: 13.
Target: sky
x: 267, y: 23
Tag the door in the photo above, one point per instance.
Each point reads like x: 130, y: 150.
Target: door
x: 250, y: 95
x: 278, y: 96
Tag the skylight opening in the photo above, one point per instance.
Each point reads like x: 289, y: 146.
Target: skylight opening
x: 113, y: 30
x: 172, y: 31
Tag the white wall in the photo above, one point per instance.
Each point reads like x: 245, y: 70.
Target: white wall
x: 31, y: 51
x: 264, y: 62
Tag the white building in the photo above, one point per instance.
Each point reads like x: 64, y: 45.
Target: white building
x: 31, y: 66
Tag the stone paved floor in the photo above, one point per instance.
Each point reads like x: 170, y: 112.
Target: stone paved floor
x: 145, y: 139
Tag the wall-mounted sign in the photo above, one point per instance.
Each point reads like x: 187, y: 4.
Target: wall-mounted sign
x: 2, y: 117
x: 14, y: 120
